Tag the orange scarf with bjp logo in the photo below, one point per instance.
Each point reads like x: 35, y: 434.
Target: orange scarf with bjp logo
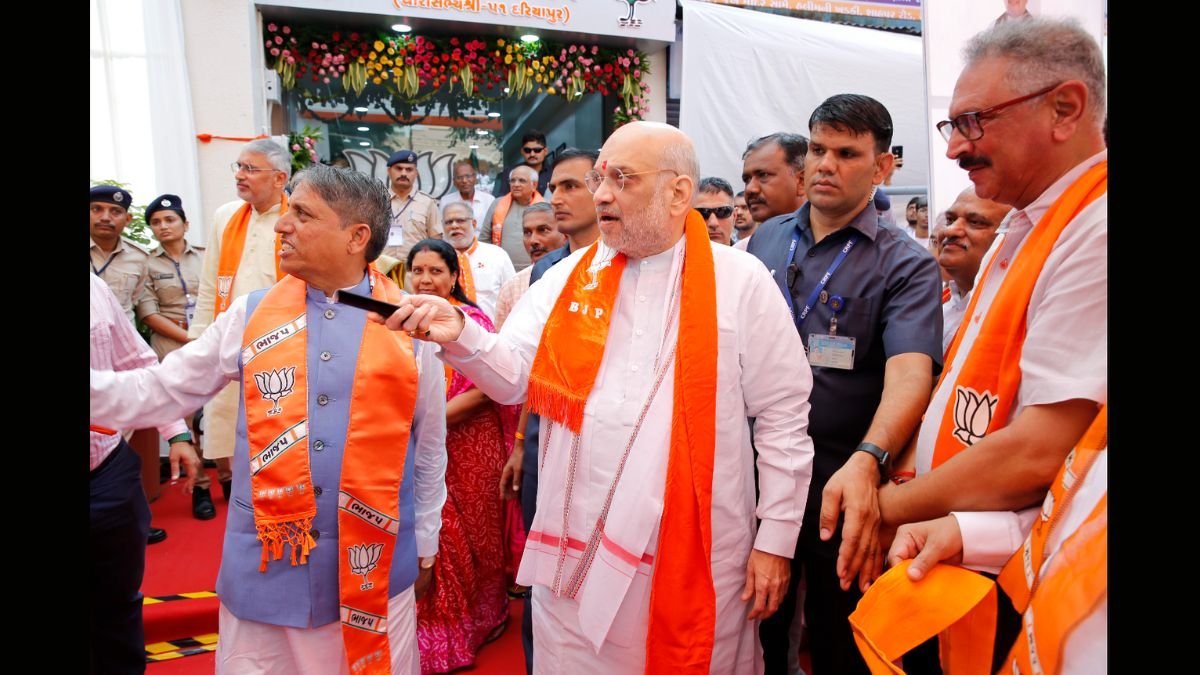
x: 987, y: 384
x: 233, y: 240
x: 382, y: 401
x: 682, y: 600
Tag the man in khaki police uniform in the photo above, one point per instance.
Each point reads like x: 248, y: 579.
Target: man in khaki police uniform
x: 262, y: 169
x: 170, y: 302
x: 414, y: 214
x: 118, y: 261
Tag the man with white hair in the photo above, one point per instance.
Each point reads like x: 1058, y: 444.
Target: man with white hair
x: 242, y: 256
x: 1027, y: 373
x: 645, y: 554
x: 502, y: 224
x: 483, y: 268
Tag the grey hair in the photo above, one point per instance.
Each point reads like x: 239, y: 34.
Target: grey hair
x: 277, y: 156
x: 794, y: 147
x: 355, y: 198
x: 533, y: 175
x: 470, y: 209
x: 1044, y: 52
x: 540, y: 207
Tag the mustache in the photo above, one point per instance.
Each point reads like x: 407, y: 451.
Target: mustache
x: 969, y: 162
x: 536, y: 248
x: 955, y: 241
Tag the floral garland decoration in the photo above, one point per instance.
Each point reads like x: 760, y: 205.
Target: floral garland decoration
x: 303, y: 146
x: 412, y: 69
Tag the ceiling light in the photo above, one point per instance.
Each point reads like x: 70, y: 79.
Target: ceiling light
x: 401, y: 27
x: 364, y: 128
x: 529, y: 37
x: 481, y: 132
x: 493, y: 114
x: 473, y: 147
x: 360, y: 109
x: 364, y: 143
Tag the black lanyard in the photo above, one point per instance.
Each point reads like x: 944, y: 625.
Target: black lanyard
x: 100, y: 272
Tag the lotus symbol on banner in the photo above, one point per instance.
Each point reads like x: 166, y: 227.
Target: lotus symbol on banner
x: 274, y: 385
x: 972, y: 414
x: 363, y: 559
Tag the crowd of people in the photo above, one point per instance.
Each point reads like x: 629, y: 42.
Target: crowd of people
x: 697, y: 442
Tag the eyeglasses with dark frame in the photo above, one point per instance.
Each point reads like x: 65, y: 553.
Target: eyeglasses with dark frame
x: 969, y: 123
x: 720, y: 211
x: 531, y: 149
x: 594, y: 178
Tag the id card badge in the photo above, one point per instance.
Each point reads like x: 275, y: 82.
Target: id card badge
x: 189, y: 311
x: 831, y: 351
x: 395, y: 235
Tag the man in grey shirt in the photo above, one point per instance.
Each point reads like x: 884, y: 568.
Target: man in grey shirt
x: 502, y: 224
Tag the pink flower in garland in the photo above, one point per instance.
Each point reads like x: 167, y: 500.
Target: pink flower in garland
x: 287, y: 30
x: 272, y: 27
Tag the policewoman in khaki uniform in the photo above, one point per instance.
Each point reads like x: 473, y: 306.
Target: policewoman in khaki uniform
x: 169, y: 304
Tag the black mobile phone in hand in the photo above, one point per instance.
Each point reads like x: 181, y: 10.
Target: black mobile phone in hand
x: 384, y: 309
x: 898, y: 151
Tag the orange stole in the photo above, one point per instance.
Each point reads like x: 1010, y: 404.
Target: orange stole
x: 233, y: 240
x: 991, y: 374
x: 682, y: 619
x: 466, y: 278
x: 275, y: 388
x: 503, y: 205
x: 897, y: 614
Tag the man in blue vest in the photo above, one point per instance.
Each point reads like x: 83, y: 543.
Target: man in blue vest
x: 308, y: 616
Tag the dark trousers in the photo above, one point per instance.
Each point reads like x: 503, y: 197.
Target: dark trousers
x: 119, y: 525
x: 529, y: 484
x: 827, y: 610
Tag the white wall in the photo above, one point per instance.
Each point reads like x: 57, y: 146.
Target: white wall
x: 747, y: 74
x: 657, y: 81
x: 224, y: 66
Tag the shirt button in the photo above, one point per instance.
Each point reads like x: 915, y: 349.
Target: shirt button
x: 317, y: 491
x: 319, y: 446
x: 325, y: 356
x: 638, y: 331
x: 641, y: 298
x: 316, y: 534
x: 322, y: 399
x: 633, y: 367
x: 811, y: 253
x: 329, y: 314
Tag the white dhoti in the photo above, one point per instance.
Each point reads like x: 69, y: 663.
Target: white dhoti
x: 220, y: 422
x: 253, y: 648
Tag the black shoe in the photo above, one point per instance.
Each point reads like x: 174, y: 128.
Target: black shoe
x: 226, y: 486
x: 202, y: 505
x: 157, y: 534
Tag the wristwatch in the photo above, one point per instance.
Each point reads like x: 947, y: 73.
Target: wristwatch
x: 881, y: 457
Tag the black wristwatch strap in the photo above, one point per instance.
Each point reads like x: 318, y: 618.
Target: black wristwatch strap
x: 881, y: 457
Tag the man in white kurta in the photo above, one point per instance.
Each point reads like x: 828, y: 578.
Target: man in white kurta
x: 1028, y: 160
x: 490, y: 265
x: 260, y: 172
x: 760, y: 372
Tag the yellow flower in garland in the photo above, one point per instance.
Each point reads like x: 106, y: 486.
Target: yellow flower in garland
x: 371, y: 56
x: 378, y: 45
x: 376, y: 80
x: 500, y: 42
x: 550, y: 90
x: 508, y: 58
x: 391, y: 52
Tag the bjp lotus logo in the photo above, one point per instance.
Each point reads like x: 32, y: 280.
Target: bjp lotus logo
x: 435, y: 176
x: 363, y: 559
x: 972, y: 414
x: 274, y: 385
